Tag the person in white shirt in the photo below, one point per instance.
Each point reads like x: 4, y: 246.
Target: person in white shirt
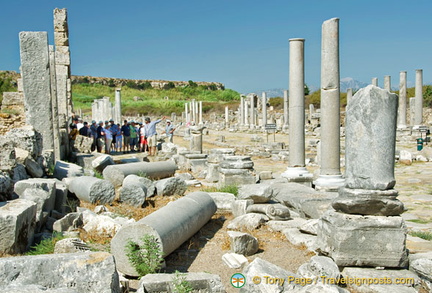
x: 108, y: 139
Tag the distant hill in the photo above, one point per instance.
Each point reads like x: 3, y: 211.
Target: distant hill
x: 345, y: 83
x: 349, y: 82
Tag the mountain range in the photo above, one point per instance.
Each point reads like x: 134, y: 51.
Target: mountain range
x: 345, y: 83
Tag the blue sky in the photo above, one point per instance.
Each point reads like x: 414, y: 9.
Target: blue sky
x: 243, y: 44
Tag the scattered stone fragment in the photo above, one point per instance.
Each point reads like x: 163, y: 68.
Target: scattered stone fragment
x: 84, y: 272
x: 234, y: 260
x: 248, y: 221
x: 17, y: 222
x: 319, y: 266
x: 259, y: 193
x: 223, y: 200
x: 297, y: 238
x: 93, y: 190
x: 279, y: 226
x: 240, y: 206
x: 310, y: 227
x: 410, y: 279
x: 101, y: 162
x: 243, y: 243
x: 261, y: 268
x: 71, y: 245
x: 276, y: 212
x: 171, y: 186
x: 200, y: 282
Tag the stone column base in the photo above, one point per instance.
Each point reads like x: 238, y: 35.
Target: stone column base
x: 299, y: 175
x: 368, y: 202
x: 329, y: 183
x: 355, y: 240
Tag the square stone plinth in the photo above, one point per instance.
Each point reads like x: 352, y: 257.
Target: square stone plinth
x: 355, y: 240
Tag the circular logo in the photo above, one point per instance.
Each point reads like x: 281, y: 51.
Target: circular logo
x: 238, y: 280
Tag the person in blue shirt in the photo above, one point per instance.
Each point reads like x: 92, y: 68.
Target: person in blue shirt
x: 151, y: 134
x: 126, y: 136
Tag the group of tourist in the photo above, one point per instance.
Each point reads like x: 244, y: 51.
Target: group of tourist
x: 130, y: 137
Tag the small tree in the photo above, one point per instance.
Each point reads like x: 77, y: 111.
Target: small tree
x: 192, y: 84
x: 146, y: 258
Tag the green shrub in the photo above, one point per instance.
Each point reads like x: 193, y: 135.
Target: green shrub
x: 46, y: 246
x: 276, y: 103
x: 180, y: 284
x: 146, y: 258
x: 227, y: 188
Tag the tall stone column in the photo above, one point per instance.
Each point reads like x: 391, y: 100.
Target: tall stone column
x: 402, y: 122
x: 285, y: 126
x: 63, y: 74
x: 242, y: 114
x: 264, y: 109
x: 296, y: 170
x: 311, y: 112
x: 226, y: 117
x: 330, y: 177
x: 186, y: 113
x: 193, y: 105
x: 54, y: 117
x: 252, y: 112
x: 387, y: 82
x: 375, y: 81
x: 118, y: 116
x: 366, y: 216
x: 349, y: 94
x: 101, y: 109
x: 200, y: 113
x: 246, y: 112
x: 418, y: 118
x: 412, y: 103
x: 35, y: 71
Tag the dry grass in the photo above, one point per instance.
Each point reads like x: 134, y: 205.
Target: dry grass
x: 152, y: 204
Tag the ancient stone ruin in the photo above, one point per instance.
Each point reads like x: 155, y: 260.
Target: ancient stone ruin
x: 220, y: 188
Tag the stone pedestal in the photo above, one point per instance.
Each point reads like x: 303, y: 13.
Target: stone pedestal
x: 365, y: 229
x: 196, y: 141
x: 236, y: 170
x: 357, y: 240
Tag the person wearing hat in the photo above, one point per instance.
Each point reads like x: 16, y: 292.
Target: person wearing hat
x: 151, y: 134
x: 100, y: 137
x: 85, y: 130
x: 114, y: 130
x: 93, y: 129
x: 125, y: 130
x: 80, y: 124
x: 169, y: 130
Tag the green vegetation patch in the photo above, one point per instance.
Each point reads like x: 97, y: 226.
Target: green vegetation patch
x: 46, y: 246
